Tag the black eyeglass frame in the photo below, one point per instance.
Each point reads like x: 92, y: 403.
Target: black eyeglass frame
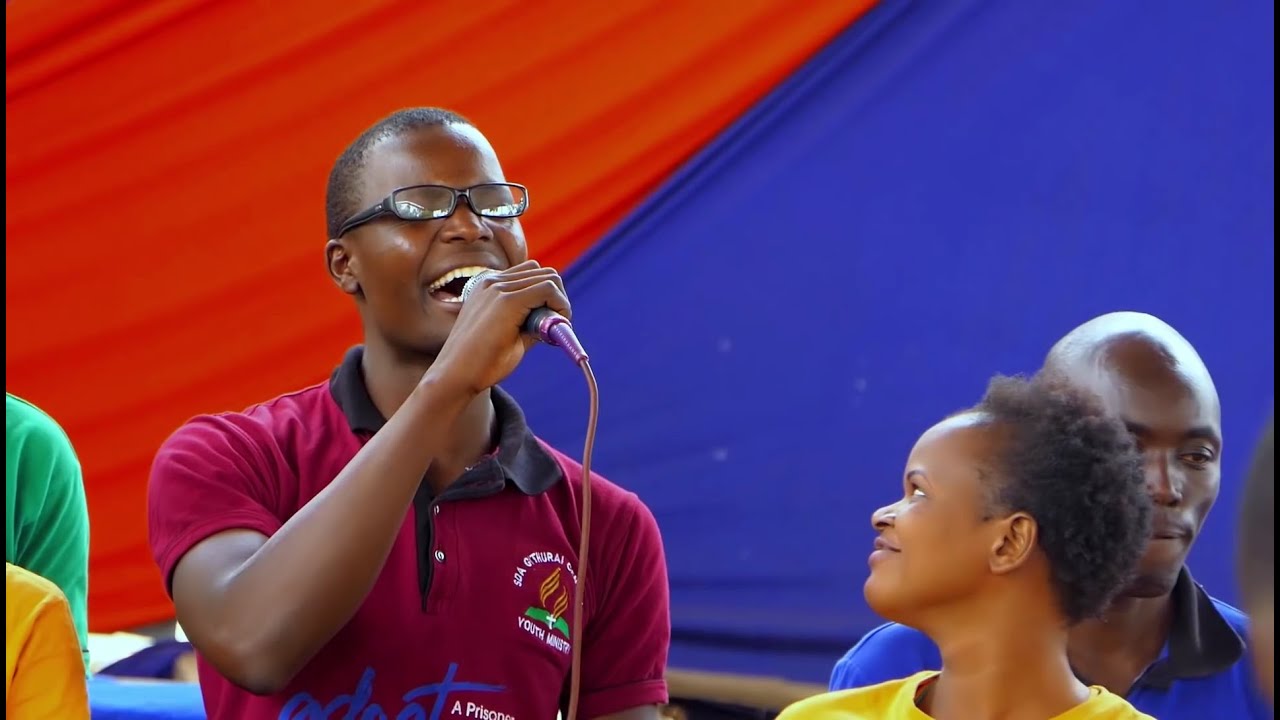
x: 388, y: 205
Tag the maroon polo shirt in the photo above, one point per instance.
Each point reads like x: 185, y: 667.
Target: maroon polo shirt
x: 471, y: 616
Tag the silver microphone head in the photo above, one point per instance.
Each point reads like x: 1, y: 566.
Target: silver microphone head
x: 474, y: 283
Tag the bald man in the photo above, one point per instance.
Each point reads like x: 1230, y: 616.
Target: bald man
x: 1168, y: 647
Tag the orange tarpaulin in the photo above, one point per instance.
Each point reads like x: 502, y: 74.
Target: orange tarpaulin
x: 165, y: 174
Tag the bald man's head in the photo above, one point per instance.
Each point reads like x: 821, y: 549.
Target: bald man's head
x: 1150, y: 376
x: 1138, y: 342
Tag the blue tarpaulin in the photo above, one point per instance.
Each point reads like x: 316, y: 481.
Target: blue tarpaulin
x: 938, y: 196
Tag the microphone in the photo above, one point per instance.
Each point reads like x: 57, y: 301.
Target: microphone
x: 542, y: 323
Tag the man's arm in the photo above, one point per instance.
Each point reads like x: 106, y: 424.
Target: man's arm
x: 259, y: 608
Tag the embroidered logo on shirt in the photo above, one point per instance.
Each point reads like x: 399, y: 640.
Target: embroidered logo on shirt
x: 546, y: 620
x: 555, y: 600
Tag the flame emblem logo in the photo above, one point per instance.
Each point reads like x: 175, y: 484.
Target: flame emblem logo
x: 555, y: 600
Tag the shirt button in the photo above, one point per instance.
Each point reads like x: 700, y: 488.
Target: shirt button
x: 439, y: 556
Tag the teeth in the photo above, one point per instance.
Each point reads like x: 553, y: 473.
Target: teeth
x: 445, y: 279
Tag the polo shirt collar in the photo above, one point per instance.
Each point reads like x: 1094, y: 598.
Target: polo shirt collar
x: 1201, y: 641
x: 523, y: 460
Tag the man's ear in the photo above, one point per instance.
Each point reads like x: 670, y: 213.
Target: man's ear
x: 1015, y: 540
x: 343, y: 268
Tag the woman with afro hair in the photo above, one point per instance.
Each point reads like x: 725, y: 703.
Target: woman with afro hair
x: 1017, y: 519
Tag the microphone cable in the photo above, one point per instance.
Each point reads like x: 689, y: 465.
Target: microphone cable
x: 553, y: 329
x: 584, y: 543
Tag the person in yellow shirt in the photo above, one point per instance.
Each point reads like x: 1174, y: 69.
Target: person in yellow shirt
x: 44, y: 671
x: 1018, y: 518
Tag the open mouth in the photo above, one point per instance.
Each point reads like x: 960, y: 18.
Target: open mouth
x: 448, y: 287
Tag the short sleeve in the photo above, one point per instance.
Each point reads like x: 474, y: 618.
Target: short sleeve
x: 214, y: 474
x: 889, y: 652
x: 624, y: 658
x: 50, y: 533
x: 48, y: 677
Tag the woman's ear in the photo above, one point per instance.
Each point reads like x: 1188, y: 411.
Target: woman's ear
x: 1014, y: 543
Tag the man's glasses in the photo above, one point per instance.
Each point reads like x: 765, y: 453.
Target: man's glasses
x: 432, y: 202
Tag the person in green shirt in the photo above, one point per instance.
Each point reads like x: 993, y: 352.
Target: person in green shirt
x: 46, y: 519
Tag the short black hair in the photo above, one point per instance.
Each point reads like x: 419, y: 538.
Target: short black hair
x: 1075, y: 469
x: 1255, y: 549
x: 340, y: 195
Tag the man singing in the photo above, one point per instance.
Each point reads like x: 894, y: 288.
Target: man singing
x: 396, y: 542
